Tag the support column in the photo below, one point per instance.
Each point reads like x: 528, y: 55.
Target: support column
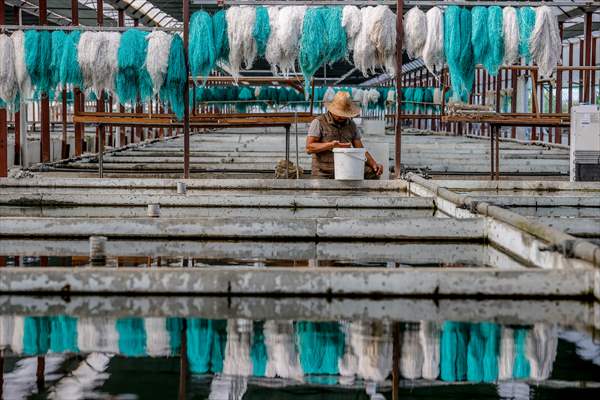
x: 45, y: 101
x: 100, y: 106
x: 186, y: 92
x: 78, y: 96
x: 398, y: 130
x: 559, y: 85
x: 587, y: 92
x: 122, y: 129
x: 3, y: 124
x: 17, y: 148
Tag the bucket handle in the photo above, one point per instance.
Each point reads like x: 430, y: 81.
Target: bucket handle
x: 358, y: 157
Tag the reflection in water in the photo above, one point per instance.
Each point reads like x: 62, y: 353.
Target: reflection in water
x: 320, y: 353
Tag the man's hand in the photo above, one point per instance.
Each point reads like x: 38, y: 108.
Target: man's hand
x: 337, y: 144
x: 378, y: 168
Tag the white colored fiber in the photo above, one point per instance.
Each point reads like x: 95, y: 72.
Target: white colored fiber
x: 8, y: 77
x: 358, y: 95
x: 157, y: 57
x: 97, y: 335
x: 510, y: 26
x: 87, y: 51
x: 383, y: 36
x: 158, y: 339
x: 105, y: 62
x: 411, y: 356
x: 415, y: 32
x: 328, y: 95
x: 433, y: 50
x: 545, y: 44
x: 242, y: 45
x: 429, y: 336
x: 372, y: 343
x: 507, y: 354
x: 23, y: 78
x: 237, y: 359
x: 288, y: 28
x: 541, y: 345
x: 364, y: 51
x: 283, y: 358
x: 351, y: 21
x: 391, y: 97
x: 273, y: 51
x: 370, y: 97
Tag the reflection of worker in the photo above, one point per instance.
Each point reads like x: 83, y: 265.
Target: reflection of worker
x: 336, y: 129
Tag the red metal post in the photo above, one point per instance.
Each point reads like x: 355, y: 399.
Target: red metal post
x: 559, y: 87
x: 398, y: 130
x: 513, y: 100
x: 45, y: 102
x: 78, y: 96
x: 570, y: 94
x: 186, y: 93
x: 581, y: 73
x: 594, y: 62
x: 587, y: 94
x: 3, y: 124
x: 17, y: 149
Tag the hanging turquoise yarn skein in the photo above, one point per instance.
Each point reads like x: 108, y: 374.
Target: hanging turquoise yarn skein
x: 202, y: 44
x: 459, y: 51
x: 38, y: 57
x: 58, y: 44
x: 479, y: 35
x: 262, y: 30
x: 220, y: 35
x: 129, y: 76
x: 337, y: 41
x: 526, y: 17
x: 495, y: 55
x: 176, y: 78
x: 313, y: 43
x: 132, y: 337
x: 70, y: 73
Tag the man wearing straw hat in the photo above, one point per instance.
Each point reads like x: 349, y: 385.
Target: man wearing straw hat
x: 335, y: 129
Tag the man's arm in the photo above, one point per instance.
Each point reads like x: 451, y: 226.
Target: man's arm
x: 378, y: 168
x: 313, y: 145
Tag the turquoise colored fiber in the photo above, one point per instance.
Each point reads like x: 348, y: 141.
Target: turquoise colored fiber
x: 321, y: 345
x: 219, y: 23
x: 175, y: 329
x: 176, y: 78
x: 262, y: 30
x: 491, y: 333
x: 70, y: 73
x: 521, y: 367
x: 36, y: 336
x: 453, y: 351
x: 206, y: 345
x: 313, y: 43
x: 132, y: 337
x: 479, y: 35
x: 258, y: 351
x: 495, y: 54
x: 38, y: 57
x: 132, y: 79
x: 428, y: 99
x: 475, y: 351
x: 526, y: 17
x: 418, y: 99
x: 202, y: 52
x: 58, y: 44
x: 337, y: 42
x: 459, y: 51
x: 63, y: 334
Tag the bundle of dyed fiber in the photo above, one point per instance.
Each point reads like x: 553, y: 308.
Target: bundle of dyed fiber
x: 284, y: 42
x: 202, y: 52
x: 58, y: 44
x: 459, y: 51
x: 261, y: 30
x: 242, y: 45
x: 313, y: 42
x: 219, y: 21
x: 23, y: 78
x: 133, y: 80
x: 510, y: 25
x: 106, y: 63
x: 495, y: 54
x: 526, y: 23
x: 545, y: 45
x: 479, y: 34
x: 157, y: 58
x: 38, y: 56
x: 337, y: 41
x: 176, y: 77
x: 365, y: 59
x: 415, y: 32
x: 273, y: 50
x: 87, y: 52
x: 383, y: 36
x: 433, y: 50
x: 351, y: 21
x: 9, y: 86
x: 70, y: 72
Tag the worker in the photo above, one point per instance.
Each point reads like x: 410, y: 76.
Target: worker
x: 335, y: 129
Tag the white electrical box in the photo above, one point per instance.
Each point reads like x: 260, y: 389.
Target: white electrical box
x: 585, y: 143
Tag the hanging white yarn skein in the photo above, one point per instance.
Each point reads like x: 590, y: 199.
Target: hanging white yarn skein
x: 364, y: 51
x: 329, y: 95
x: 157, y: 57
x: 23, y: 78
x: 371, y: 97
x: 391, y: 97
x: 273, y: 51
x: 415, y: 32
x: 87, y: 51
x: 9, y: 86
x: 242, y: 45
x: 433, y: 50
x: 105, y: 63
x: 383, y: 36
x: 289, y: 28
x: 358, y: 95
x: 510, y: 26
x: 545, y: 45
x: 351, y: 21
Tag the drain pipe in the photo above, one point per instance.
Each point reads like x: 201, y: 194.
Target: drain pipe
x: 559, y: 241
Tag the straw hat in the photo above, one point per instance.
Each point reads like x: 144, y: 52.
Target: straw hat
x: 342, y: 106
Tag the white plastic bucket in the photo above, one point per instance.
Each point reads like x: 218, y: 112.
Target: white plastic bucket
x: 349, y: 164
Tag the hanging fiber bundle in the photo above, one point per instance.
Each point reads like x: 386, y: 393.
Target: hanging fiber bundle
x: 176, y: 77
x: 415, y: 32
x: 351, y: 21
x: 87, y: 52
x: 545, y: 45
x: 58, y: 44
x: 242, y: 45
x: 495, y: 55
x: 283, y: 51
x: 9, y: 85
x: 261, y: 30
x: 70, y: 72
x: 459, y: 51
x: 364, y: 52
x: 106, y: 62
x: 23, y: 78
x: 202, y: 52
x: 38, y: 55
x: 219, y: 22
x: 157, y: 57
x: 337, y: 42
x: 313, y: 42
x: 510, y: 25
x: 479, y: 34
x: 273, y: 51
x: 383, y: 36
x: 133, y: 80
x: 526, y: 23
x: 433, y: 50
